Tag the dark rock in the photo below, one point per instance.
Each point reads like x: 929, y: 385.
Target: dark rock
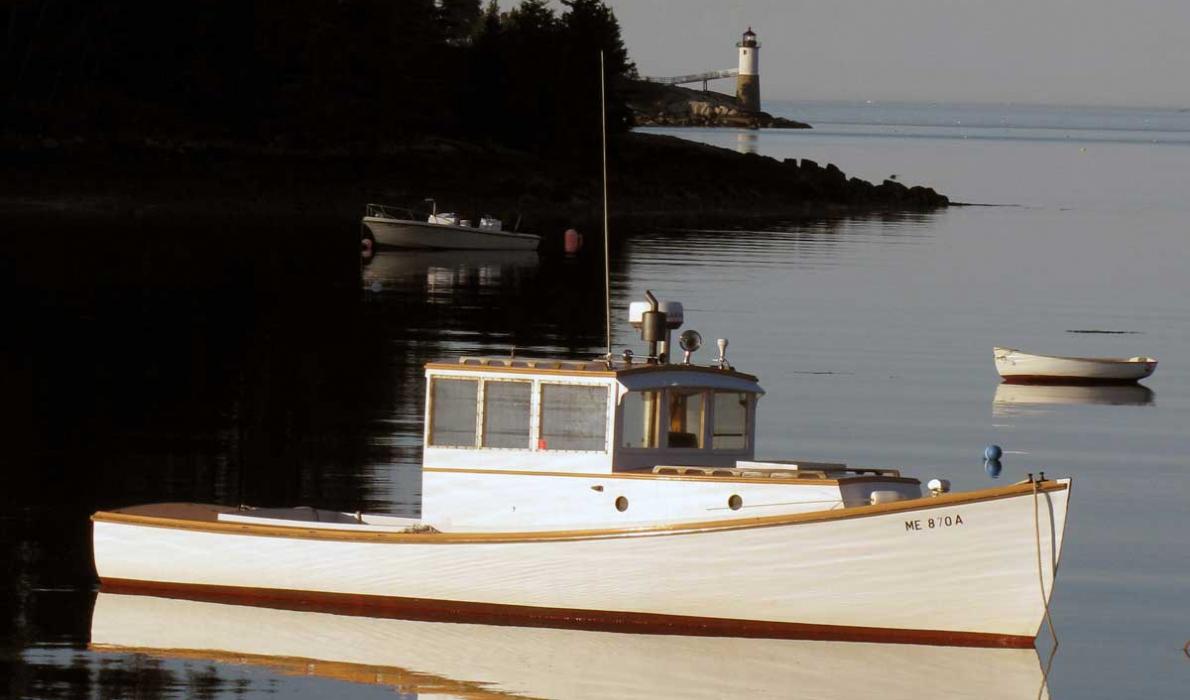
x: 654, y: 104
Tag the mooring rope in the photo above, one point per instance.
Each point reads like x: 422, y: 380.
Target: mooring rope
x: 1045, y: 672
x: 1040, y: 569
x: 1049, y: 621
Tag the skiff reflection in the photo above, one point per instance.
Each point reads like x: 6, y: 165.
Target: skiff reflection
x: 1013, y: 399
x: 443, y: 270
x: 474, y: 660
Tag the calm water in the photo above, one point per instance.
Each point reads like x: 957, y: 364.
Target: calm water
x: 257, y: 363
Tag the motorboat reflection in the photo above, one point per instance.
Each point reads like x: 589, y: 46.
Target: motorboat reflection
x: 443, y: 270
x: 450, y: 659
x: 1012, y: 398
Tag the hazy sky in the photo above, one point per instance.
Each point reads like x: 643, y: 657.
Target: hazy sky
x: 1107, y: 52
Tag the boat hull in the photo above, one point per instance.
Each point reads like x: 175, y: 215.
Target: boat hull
x: 960, y: 569
x: 1019, y: 367
x: 402, y: 233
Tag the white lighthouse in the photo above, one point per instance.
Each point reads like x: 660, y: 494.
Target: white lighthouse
x: 747, y: 87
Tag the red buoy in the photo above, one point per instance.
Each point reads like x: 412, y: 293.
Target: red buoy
x: 572, y: 241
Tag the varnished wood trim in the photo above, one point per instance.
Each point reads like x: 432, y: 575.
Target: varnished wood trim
x: 649, y: 476
x: 424, y: 609
x: 549, y: 371
x: 578, y: 371
x: 393, y: 676
x: 743, y: 523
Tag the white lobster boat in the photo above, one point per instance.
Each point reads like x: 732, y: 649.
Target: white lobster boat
x: 392, y: 228
x: 1021, y: 367
x: 626, y: 492
x: 431, y: 658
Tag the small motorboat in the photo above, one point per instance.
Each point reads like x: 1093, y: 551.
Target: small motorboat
x: 1023, y: 368
x: 391, y: 227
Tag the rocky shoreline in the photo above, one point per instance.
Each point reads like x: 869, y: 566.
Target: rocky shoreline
x: 654, y: 104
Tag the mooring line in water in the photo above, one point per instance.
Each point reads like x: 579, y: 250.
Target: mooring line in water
x: 1049, y: 621
x: 1045, y: 672
x: 1186, y: 649
x: 1040, y: 570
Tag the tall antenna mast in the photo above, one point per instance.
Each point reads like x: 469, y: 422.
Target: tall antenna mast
x: 607, y: 275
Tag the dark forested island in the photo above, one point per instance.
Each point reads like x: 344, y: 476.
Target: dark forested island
x: 322, y: 105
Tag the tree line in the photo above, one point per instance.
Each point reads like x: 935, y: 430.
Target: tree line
x: 311, y: 73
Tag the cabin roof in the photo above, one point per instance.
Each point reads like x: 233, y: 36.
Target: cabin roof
x: 583, y: 368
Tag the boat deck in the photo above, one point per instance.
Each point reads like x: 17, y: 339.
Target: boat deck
x: 305, y: 516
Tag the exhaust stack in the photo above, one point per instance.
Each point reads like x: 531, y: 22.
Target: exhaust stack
x: 655, y: 320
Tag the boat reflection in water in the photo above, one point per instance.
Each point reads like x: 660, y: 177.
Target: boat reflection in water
x: 1013, y: 399
x: 452, y: 659
x: 443, y: 269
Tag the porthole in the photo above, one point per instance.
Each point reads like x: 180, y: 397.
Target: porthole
x: 735, y: 502
x: 621, y: 504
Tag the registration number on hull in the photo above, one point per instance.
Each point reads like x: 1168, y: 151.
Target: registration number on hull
x: 934, y: 523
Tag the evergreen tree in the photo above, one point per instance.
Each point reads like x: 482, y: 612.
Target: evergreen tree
x: 591, y: 26
x: 323, y: 72
x: 460, y: 20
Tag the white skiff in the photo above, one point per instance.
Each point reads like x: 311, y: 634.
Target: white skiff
x: 1016, y: 366
x: 434, y: 658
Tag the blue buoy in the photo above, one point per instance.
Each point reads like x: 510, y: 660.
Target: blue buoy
x: 993, y: 468
x: 992, y: 452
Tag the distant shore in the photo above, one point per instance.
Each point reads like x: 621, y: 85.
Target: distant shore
x: 651, y: 177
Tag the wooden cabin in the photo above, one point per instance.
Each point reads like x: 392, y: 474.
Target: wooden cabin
x: 586, y: 417
x: 548, y: 444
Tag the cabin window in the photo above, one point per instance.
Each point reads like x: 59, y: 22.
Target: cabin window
x: 453, y: 412
x: 573, y: 417
x: 685, y: 418
x: 506, y: 414
x: 731, y: 421
x: 641, y: 411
